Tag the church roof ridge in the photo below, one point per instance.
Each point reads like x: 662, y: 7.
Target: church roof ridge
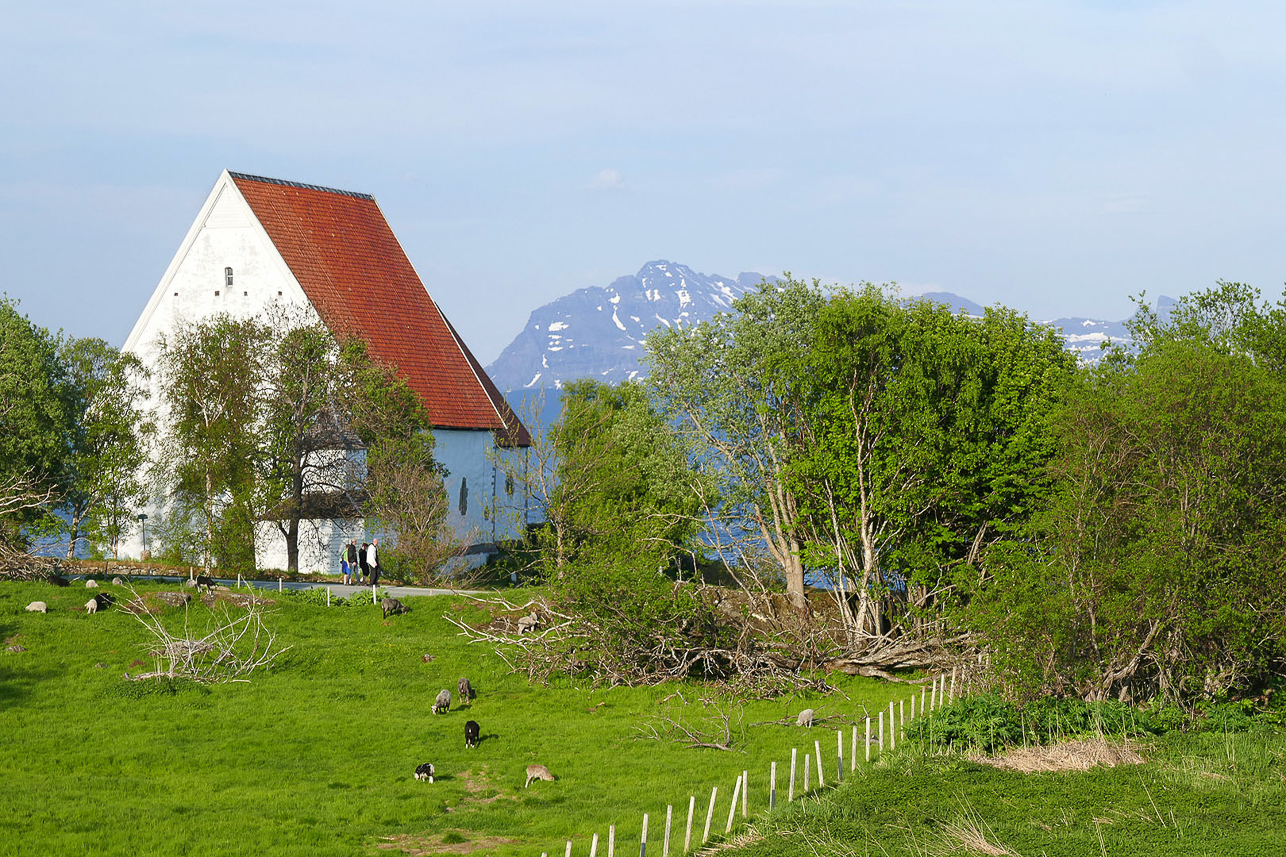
x: 302, y: 185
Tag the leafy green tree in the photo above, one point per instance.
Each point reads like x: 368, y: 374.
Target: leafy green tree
x: 733, y: 388
x: 103, y: 390
x: 923, y: 437
x: 211, y: 386
x: 33, y: 424
x: 1158, y: 567
x: 622, y: 485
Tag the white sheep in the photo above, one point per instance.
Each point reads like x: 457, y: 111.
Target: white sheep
x: 805, y: 718
x: 528, y: 622
x: 91, y: 584
x: 116, y: 581
x: 37, y: 607
x: 443, y: 702
x: 91, y: 606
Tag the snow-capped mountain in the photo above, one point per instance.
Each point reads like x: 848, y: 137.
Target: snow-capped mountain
x: 598, y: 332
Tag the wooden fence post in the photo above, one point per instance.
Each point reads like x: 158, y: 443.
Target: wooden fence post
x: 745, y: 790
x: 709, y: 814
x: 852, y: 760
x: 881, y: 732
x: 692, y: 808
x: 893, y: 729
x: 808, y: 761
x: 772, y: 787
x: 732, y: 807
x: 642, y: 840
x: 327, y: 596
x: 821, y: 780
x: 901, y: 718
x: 839, y: 771
x: 868, y: 739
x: 568, y: 852
x: 669, y: 817
x: 611, y: 840
x: 923, y: 691
x: 593, y: 846
x: 790, y: 795
x: 951, y: 696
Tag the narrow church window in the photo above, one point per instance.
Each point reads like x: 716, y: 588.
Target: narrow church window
x: 509, y: 484
x: 227, y: 276
x: 464, y: 495
x: 216, y: 293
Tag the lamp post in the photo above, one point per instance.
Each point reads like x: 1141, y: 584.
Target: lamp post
x: 142, y: 519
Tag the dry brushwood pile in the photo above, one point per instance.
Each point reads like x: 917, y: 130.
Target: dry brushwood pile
x: 230, y: 647
x: 20, y: 565
x: 757, y: 645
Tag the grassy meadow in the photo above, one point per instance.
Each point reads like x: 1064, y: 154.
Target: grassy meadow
x: 1203, y: 794
x: 316, y: 756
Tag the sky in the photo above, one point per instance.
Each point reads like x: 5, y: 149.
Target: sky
x: 1056, y: 157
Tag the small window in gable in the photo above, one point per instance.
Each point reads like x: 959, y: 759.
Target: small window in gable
x: 227, y: 276
x: 464, y: 495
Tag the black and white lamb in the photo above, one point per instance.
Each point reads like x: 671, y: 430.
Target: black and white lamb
x: 472, y: 734
x: 424, y: 772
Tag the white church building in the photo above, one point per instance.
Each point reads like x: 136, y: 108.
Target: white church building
x: 259, y: 242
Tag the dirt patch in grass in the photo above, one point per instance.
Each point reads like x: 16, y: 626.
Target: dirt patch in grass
x: 476, y: 782
x: 424, y: 844
x: 1067, y: 756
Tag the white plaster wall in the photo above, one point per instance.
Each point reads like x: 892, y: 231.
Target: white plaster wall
x: 226, y: 234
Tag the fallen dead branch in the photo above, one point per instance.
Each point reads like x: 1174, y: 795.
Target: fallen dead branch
x: 232, y: 647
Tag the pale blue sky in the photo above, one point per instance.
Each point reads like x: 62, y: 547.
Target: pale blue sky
x: 1054, y: 156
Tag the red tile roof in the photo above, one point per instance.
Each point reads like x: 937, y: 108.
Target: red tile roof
x: 353, y: 270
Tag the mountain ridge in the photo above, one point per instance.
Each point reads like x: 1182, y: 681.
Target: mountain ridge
x: 599, y: 331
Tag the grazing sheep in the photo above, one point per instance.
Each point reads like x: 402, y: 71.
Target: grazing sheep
x: 91, y: 584
x: 37, y: 607
x: 203, y: 582
x: 805, y: 718
x: 391, y: 605
x: 116, y: 581
x: 58, y: 580
x: 103, y: 600
x: 538, y: 772
x: 443, y: 703
x: 528, y: 622
x: 424, y: 772
x: 464, y: 689
x: 91, y: 606
x: 472, y: 733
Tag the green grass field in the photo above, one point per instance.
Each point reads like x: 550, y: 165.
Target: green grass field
x: 316, y: 756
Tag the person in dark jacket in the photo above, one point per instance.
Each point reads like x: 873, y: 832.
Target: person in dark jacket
x: 361, y: 561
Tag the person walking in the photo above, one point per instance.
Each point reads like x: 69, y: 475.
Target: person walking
x: 363, y: 562
x: 343, y: 564
x: 352, y: 559
x: 373, y: 560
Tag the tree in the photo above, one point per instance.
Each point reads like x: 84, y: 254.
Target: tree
x: 622, y: 485
x: 1158, y: 566
x: 103, y: 389
x: 407, y: 499
x: 33, y: 424
x: 923, y: 437
x: 211, y: 385
x: 732, y: 387
x: 307, y: 437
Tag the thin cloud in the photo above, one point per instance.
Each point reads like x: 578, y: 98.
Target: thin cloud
x: 608, y: 179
